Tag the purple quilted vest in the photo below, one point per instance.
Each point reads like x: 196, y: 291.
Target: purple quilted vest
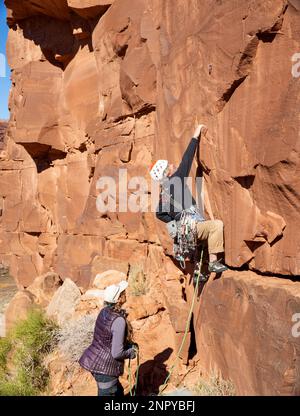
x: 97, y: 357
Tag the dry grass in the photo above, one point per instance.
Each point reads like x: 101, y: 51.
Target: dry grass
x: 75, y: 336
x: 138, y: 284
x: 214, y: 386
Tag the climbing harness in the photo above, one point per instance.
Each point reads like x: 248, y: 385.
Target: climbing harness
x: 187, y: 327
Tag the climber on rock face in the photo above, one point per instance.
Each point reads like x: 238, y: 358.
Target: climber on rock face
x: 104, y: 358
x: 177, y: 208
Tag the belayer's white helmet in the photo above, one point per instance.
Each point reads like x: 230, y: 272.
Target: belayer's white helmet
x: 113, y: 292
x: 157, y: 171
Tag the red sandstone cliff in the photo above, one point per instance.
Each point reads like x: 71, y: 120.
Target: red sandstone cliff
x: 102, y: 85
x: 3, y: 126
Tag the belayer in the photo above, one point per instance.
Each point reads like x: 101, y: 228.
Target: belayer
x: 178, y: 209
x: 104, y: 358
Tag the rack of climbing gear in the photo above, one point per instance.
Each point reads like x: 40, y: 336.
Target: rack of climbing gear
x: 185, y: 242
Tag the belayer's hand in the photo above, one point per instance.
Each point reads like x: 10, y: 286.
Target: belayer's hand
x: 200, y: 130
x: 132, y: 353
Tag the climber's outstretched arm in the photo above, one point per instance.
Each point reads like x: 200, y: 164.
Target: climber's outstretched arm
x: 184, y: 168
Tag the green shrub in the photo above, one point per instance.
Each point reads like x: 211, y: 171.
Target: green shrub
x: 5, y: 347
x: 26, y: 346
x: 16, y: 387
x: 214, y: 386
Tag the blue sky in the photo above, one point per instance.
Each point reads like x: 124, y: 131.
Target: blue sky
x: 4, y: 80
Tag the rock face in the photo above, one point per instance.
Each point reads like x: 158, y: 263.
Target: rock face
x: 3, y: 126
x: 120, y: 86
x: 245, y: 329
x: 102, y: 85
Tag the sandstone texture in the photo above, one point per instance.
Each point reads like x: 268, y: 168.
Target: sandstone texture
x: 3, y: 126
x: 44, y: 287
x: 131, y: 90
x: 244, y: 328
x: 102, y: 85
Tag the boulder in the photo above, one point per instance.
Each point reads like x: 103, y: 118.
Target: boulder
x: 18, y: 308
x: 87, y: 306
x: 95, y: 295
x: 139, y: 307
x: 44, y: 287
x: 63, y: 304
x: 69, y: 382
x: 107, y: 278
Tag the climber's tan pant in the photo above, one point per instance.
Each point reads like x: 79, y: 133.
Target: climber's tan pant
x: 212, y: 231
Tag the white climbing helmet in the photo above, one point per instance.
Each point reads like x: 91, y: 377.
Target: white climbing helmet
x: 113, y: 292
x: 158, y: 169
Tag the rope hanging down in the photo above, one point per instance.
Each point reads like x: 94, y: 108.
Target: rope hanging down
x: 133, y: 393
x: 186, y: 330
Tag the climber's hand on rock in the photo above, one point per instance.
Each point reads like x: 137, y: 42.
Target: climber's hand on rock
x: 201, y: 130
x: 204, y: 130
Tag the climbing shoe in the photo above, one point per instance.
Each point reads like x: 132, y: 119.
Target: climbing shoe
x: 200, y: 277
x: 216, y: 267
x: 203, y: 278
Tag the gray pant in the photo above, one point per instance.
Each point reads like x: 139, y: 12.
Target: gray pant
x: 108, y: 385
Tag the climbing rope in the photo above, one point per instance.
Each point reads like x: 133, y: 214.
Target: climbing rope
x: 186, y: 329
x: 130, y: 377
x: 136, y: 374
x: 180, y: 348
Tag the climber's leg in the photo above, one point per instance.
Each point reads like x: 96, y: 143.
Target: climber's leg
x: 212, y: 231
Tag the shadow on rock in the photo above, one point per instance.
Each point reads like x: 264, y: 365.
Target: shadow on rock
x: 153, y: 373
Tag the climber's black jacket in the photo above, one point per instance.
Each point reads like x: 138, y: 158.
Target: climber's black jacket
x: 176, y: 187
